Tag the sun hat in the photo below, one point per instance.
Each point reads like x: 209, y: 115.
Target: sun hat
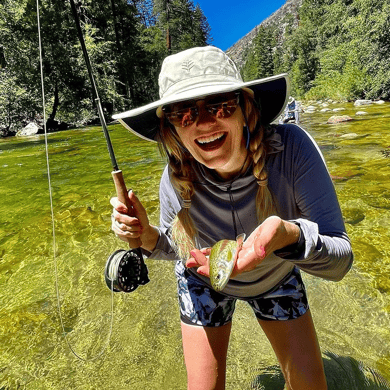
x: 198, y: 72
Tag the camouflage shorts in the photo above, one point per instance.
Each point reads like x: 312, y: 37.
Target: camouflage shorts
x: 203, y: 306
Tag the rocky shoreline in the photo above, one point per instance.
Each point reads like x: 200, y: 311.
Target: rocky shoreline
x: 36, y: 127
x: 324, y: 106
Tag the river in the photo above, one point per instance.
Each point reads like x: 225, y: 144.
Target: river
x: 144, y: 351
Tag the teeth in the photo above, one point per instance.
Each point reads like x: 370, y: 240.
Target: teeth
x: 211, y: 138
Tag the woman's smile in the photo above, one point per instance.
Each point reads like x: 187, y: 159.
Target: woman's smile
x: 211, y: 142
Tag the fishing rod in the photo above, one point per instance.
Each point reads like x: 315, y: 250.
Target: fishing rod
x: 125, y: 270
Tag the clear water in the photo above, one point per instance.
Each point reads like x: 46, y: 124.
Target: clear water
x: 352, y: 316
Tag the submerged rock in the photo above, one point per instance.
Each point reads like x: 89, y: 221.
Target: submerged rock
x: 353, y: 216
x: 350, y: 136
x: 378, y: 202
x: 362, y: 102
x: 338, y: 119
x: 361, y: 113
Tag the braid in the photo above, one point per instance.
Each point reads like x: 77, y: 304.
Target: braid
x: 258, y: 152
x: 264, y: 202
x: 183, y: 228
x: 180, y: 161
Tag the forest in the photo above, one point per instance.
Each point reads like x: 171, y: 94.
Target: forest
x: 126, y: 41
x: 338, y: 49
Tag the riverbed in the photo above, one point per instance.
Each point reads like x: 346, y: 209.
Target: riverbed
x: 352, y: 317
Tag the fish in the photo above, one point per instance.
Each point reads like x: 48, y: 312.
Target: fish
x: 222, y: 259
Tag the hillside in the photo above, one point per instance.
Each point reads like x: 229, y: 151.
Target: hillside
x: 238, y: 49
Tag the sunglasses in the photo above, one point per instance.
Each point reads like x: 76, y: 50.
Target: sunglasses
x: 185, y: 113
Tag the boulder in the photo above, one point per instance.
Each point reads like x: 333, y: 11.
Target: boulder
x: 363, y: 102
x: 380, y: 102
x: 361, y: 113
x: 30, y: 129
x: 338, y: 109
x: 338, y: 119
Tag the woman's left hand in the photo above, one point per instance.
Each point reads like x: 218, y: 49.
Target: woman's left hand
x: 274, y: 233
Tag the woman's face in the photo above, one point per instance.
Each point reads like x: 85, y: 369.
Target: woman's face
x: 216, y: 142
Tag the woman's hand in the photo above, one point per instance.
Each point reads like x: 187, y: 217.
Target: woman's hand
x: 198, y: 259
x: 126, y: 227
x: 274, y: 233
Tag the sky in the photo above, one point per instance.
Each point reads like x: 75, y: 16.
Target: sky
x: 231, y: 20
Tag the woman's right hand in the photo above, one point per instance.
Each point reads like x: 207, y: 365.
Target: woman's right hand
x: 127, y: 228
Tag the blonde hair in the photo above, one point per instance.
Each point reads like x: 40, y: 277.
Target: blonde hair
x: 180, y: 161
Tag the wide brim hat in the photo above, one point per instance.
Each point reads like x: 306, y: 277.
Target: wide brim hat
x: 199, y: 72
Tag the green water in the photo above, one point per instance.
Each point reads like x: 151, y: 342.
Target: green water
x: 352, y: 316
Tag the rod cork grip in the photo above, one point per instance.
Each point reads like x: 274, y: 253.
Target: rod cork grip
x: 121, y: 192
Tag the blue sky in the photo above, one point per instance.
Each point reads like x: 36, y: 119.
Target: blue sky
x: 231, y: 20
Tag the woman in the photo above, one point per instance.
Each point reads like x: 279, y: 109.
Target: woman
x: 229, y: 172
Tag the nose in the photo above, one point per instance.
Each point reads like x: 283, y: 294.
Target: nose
x: 205, y: 119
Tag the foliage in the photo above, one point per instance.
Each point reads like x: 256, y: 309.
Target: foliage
x: 184, y: 24
x: 259, y: 62
x: 336, y: 49
x: 126, y: 43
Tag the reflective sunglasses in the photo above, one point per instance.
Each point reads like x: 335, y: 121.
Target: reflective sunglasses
x: 183, y: 114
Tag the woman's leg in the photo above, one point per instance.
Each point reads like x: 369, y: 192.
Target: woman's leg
x: 205, y: 350
x: 296, y: 346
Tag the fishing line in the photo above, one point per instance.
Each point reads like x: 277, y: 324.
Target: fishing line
x: 53, y: 223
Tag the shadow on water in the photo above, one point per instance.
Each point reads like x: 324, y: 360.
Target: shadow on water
x: 342, y: 373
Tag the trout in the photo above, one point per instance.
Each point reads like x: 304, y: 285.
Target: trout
x: 223, y: 257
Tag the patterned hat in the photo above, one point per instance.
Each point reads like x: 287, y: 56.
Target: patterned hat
x: 199, y: 72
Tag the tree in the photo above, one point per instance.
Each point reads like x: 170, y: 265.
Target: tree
x: 184, y: 24
x: 339, y: 49
x: 259, y: 62
x: 126, y: 43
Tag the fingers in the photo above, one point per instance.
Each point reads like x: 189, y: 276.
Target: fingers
x: 128, y: 223
x: 199, y: 259
x: 204, y: 270
x: 137, y: 205
x: 123, y: 231
x: 125, y: 224
x: 118, y: 206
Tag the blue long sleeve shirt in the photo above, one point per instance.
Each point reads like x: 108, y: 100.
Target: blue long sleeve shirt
x: 304, y: 193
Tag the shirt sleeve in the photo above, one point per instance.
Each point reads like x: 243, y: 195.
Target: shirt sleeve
x: 169, y: 207
x: 325, y: 249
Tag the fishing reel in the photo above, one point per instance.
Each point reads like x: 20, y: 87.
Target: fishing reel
x: 126, y: 270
